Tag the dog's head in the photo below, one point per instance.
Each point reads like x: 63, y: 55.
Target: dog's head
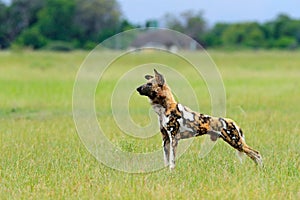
x: 153, y: 86
x: 156, y: 89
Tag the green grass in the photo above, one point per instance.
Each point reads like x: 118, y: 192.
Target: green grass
x: 42, y: 156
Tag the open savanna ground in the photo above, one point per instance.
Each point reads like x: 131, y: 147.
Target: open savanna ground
x: 42, y: 157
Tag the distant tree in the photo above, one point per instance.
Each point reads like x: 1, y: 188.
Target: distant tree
x: 283, y: 32
x: 285, y: 27
x: 55, y: 19
x: 96, y: 20
x: 189, y: 22
x: 233, y: 35
x: 279, y: 25
x: 194, y: 23
x: 174, y: 22
x: 285, y: 42
x: 267, y: 29
x: 151, y: 23
x: 254, y: 35
x: 21, y: 15
x: 31, y: 37
x: 243, y: 34
x: 126, y: 25
x: 4, y: 40
x: 213, y: 37
x: 292, y: 29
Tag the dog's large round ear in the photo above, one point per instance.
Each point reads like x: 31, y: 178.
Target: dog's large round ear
x: 148, y: 77
x: 159, y: 78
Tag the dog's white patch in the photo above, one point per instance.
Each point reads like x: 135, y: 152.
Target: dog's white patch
x: 183, y: 127
x: 160, y: 110
x: 238, y: 129
x: 243, y: 138
x: 165, y: 120
x: 223, y: 123
x: 186, y: 114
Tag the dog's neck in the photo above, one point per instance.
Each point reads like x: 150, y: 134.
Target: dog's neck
x: 164, y: 100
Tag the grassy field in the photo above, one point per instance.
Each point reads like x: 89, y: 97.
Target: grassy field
x: 42, y: 156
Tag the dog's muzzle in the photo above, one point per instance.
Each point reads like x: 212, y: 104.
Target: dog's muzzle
x: 146, y: 91
x: 139, y: 89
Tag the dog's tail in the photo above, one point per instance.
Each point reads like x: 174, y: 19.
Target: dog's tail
x: 253, y: 154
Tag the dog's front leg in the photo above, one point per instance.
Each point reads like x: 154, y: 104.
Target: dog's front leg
x: 171, y: 126
x: 173, y: 146
x: 166, y: 145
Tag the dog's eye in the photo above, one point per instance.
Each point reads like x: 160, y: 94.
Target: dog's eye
x: 149, y: 84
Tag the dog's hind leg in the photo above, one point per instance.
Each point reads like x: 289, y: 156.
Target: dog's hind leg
x: 253, y: 154
x: 233, y: 135
x: 240, y: 145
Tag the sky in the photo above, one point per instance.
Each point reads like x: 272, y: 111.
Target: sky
x: 138, y: 11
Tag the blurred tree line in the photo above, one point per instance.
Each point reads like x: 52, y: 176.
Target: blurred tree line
x: 67, y: 24
x: 59, y: 23
x: 282, y: 32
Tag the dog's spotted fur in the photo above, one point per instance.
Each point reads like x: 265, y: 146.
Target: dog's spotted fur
x: 179, y: 122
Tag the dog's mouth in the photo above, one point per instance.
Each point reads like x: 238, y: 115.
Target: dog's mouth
x: 146, y: 92
x: 139, y: 89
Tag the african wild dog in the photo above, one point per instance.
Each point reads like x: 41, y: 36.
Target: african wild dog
x: 179, y: 122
